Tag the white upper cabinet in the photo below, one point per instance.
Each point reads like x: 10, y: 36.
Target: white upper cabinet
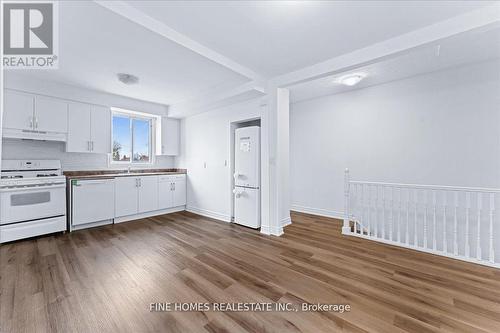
x: 51, y: 114
x: 78, y: 128
x: 29, y: 116
x: 89, y: 128
x: 18, y: 110
x: 170, y: 136
x: 100, y: 129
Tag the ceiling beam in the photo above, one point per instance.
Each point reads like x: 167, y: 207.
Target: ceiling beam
x: 137, y: 16
x: 488, y: 16
x: 217, y: 99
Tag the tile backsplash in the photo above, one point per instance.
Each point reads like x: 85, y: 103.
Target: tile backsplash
x: 13, y: 149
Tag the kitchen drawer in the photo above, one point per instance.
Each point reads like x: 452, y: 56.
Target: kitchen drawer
x: 15, y: 231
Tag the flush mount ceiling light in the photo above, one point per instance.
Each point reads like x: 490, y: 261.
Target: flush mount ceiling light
x: 351, y: 79
x: 127, y: 78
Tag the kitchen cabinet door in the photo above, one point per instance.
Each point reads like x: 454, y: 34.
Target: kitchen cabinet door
x: 170, y: 136
x: 51, y: 114
x: 18, y: 110
x: 78, y: 128
x: 126, y: 191
x: 148, y: 193
x: 179, y: 197
x: 100, y: 129
x: 165, y: 192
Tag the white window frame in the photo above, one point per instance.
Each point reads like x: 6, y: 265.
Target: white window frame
x: 119, y: 112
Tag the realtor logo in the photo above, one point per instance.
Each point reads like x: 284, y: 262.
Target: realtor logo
x: 30, y: 35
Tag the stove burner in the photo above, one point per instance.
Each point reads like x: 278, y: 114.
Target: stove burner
x: 11, y: 177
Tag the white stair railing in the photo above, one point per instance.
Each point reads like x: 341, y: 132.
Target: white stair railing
x: 456, y: 222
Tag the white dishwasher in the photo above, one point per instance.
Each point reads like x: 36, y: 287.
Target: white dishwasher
x: 92, y: 202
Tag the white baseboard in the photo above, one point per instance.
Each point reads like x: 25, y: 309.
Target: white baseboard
x: 209, y: 213
x: 276, y: 231
x: 318, y: 211
x: 286, y: 221
x: 149, y: 214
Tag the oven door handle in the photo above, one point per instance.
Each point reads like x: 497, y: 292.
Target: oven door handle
x: 32, y: 188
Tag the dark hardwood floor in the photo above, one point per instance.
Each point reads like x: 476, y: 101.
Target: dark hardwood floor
x: 104, y: 279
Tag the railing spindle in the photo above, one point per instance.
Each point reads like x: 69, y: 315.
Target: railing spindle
x: 376, y: 212
x: 479, y: 208
x: 434, y: 242
x: 467, y: 225
x: 455, y: 224
x: 391, y: 220
x: 383, y: 212
x: 399, y: 214
x: 445, y: 223
x: 425, y: 218
x: 407, y: 236
x: 415, y: 234
x: 492, y: 208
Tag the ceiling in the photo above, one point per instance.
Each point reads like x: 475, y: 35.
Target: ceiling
x: 266, y: 37
x: 276, y: 37
x: 95, y: 44
x: 471, y: 47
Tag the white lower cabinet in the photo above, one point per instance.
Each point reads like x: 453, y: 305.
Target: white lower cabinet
x: 96, y: 201
x: 135, y: 195
x: 171, y: 191
x: 147, y: 194
x: 126, y: 202
x: 179, y: 192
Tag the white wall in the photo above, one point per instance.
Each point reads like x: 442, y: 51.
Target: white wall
x: 21, y: 149
x: 439, y: 128
x: 205, y: 138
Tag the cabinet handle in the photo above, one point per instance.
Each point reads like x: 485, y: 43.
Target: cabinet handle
x: 140, y: 182
x: 31, y: 123
x: 92, y: 145
x: 36, y: 122
x: 173, y: 185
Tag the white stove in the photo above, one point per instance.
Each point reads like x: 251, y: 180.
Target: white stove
x: 32, y: 199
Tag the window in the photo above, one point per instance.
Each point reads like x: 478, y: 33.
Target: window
x: 132, y: 138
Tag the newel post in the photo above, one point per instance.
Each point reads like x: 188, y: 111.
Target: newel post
x: 346, y: 229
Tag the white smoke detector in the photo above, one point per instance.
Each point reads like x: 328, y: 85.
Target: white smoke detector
x: 127, y: 78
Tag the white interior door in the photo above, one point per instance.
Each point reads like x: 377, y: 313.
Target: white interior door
x: 126, y: 191
x: 148, y: 193
x: 165, y: 192
x: 100, y: 129
x: 51, y: 114
x: 18, y: 110
x: 78, y: 128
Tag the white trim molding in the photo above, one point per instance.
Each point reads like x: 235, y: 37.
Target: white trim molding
x: 318, y: 211
x: 286, y: 221
x: 209, y: 213
x: 274, y: 231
